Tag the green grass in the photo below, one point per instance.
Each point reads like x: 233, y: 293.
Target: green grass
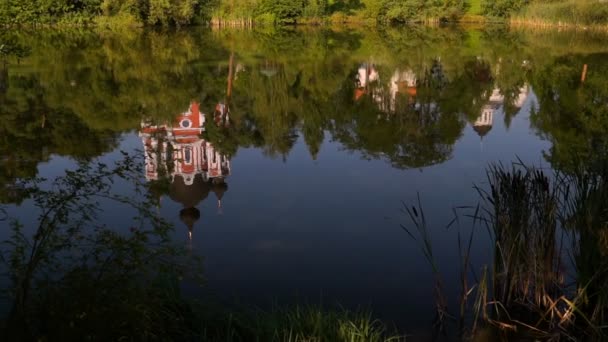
x: 474, y: 7
x: 292, y: 324
x: 567, y: 12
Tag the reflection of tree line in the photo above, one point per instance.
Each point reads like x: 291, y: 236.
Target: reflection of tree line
x: 184, y: 165
x: 311, y: 85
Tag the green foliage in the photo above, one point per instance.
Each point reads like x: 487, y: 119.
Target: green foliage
x: 315, y: 9
x: 69, y: 275
x: 571, y: 113
x: 414, y: 10
x: 567, y: 12
x: 304, y: 85
x: 501, y: 8
x: 297, y: 323
x: 285, y: 11
x: 73, y: 279
x: 188, y: 12
x: 47, y: 11
x: 151, y: 12
x: 156, y: 12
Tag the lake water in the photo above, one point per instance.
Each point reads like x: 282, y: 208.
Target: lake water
x: 284, y: 157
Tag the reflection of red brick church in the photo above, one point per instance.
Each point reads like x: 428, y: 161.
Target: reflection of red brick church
x: 193, y: 166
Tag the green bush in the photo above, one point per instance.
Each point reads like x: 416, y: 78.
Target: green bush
x: 152, y: 12
x: 285, y: 11
x: 266, y: 18
x: 416, y: 10
x: 500, y: 8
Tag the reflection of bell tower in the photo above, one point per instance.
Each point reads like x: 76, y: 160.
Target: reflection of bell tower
x: 192, y: 165
x: 483, y: 124
x: 219, y: 188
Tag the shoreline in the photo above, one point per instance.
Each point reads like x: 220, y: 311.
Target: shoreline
x: 544, y: 24
x: 214, y: 24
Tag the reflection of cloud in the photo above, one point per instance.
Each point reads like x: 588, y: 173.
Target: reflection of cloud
x: 267, y: 245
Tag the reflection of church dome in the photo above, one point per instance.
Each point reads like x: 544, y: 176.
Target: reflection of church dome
x: 189, y: 216
x: 483, y: 125
x: 482, y: 130
x: 189, y: 195
x: 219, y: 188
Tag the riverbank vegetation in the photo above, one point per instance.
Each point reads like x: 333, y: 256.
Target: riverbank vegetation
x: 71, y: 278
x: 265, y: 12
x: 567, y: 13
x: 547, y: 280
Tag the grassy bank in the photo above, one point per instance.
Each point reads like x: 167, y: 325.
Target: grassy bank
x: 567, y: 13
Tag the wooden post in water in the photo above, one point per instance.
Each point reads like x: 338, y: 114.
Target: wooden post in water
x: 230, y: 75
x: 584, y: 74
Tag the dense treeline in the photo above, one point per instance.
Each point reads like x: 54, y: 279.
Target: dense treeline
x: 135, y: 12
x: 239, y: 12
x: 341, y: 10
x: 184, y: 12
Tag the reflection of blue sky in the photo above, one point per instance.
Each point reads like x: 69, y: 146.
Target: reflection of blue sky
x: 328, y: 230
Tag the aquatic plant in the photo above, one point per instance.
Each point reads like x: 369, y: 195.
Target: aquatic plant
x: 537, y: 222
x: 68, y: 275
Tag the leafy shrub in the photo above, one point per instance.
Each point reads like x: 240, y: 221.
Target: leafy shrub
x: 501, y: 8
x: 285, y: 11
x: 415, y: 10
x: 266, y: 18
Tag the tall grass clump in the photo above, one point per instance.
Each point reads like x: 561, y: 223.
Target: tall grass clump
x: 294, y: 324
x: 564, y: 13
x: 548, y: 275
x: 521, y: 212
x: 538, y: 222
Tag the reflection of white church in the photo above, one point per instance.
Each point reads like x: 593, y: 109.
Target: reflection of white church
x: 193, y: 166
x: 401, y: 82
x: 483, y: 124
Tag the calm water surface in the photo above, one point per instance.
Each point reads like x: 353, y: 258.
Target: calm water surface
x: 284, y: 157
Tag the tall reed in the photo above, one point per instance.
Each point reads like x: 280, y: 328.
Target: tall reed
x: 537, y: 222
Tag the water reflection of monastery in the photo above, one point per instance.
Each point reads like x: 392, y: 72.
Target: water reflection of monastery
x: 402, y: 82
x: 405, y: 83
x: 192, y: 165
x: 483, y: 124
